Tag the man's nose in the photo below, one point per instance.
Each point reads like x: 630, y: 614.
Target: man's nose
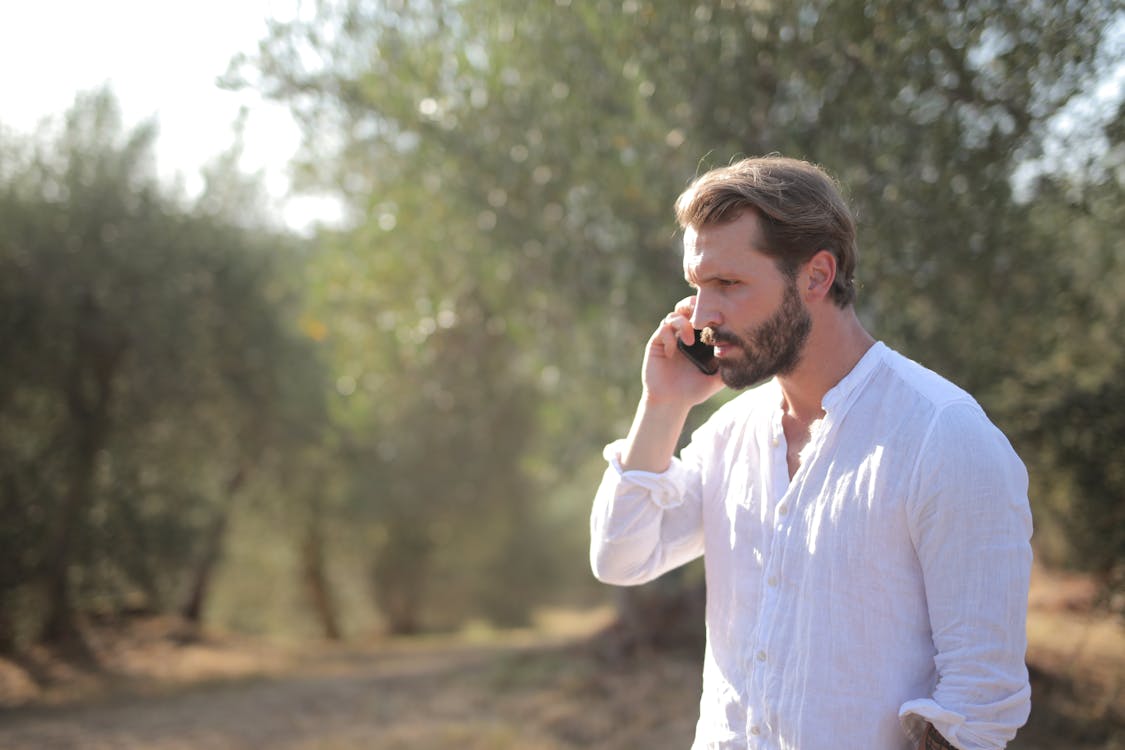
x: 704, y: 314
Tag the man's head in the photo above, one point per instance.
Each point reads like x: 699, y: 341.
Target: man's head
x: 799, y: 207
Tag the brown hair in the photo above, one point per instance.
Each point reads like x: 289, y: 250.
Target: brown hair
x: 799, y: 207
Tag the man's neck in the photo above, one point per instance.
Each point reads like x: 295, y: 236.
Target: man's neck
x: 836, y: 344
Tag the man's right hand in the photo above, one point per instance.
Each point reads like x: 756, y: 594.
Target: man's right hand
x: 668, y: 376
x: 672, y: 386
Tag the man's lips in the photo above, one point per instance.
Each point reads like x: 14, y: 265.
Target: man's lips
x: 722, y: 344
x: 722, y: 349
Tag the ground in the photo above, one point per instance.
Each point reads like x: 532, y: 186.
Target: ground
x: 550, y: 688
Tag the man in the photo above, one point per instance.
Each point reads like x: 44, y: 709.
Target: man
x: 864, y: 527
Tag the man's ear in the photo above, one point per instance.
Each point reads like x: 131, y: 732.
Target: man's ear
x: 819, y: 274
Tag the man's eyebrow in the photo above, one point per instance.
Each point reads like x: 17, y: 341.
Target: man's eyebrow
x: 713, y: 276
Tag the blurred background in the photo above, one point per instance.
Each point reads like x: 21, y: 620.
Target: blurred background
x: 346, y: 376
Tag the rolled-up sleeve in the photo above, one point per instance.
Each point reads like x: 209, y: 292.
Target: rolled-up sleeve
x: 644, y: 524
x: 971, y: 526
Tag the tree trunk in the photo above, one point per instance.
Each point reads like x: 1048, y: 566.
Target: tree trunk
x: 665, y: 615
x: 214, y: 541
x: 316, y: 579
x: 399, y: 576
x: 8, y: 645
x: 60, y: 626
x: 88, y: 390
x: 203, y: 573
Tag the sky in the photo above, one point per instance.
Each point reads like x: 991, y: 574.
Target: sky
x: 161, y: 58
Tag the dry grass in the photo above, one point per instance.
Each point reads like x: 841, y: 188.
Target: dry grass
x: 542, y: 689
x: 1077, y: 662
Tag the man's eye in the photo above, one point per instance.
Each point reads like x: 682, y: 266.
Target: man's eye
x: 726, y: 282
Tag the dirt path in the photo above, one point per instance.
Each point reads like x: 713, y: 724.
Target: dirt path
x: 347, y: 700
x: 526, y: 691
x: 537, y: 695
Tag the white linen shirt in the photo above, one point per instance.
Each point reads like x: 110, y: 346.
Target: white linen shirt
x: 885, y: 585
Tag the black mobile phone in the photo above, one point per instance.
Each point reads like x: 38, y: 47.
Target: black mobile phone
x: 701, y: 355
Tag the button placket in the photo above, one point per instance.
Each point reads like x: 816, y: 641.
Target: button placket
x: 774, y: 526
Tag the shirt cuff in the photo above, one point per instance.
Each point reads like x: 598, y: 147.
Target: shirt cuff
x: 665, y: 489
x: 993, y: 730
x: 915, y: 714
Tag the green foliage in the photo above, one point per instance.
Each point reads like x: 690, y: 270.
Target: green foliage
x: 419, y: 400
x: 514, y: 165
x: 145, y: 352
x: 1064, y: 402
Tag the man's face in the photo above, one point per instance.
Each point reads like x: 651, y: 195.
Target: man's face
x: 770, y: 348
x: 748, y: 309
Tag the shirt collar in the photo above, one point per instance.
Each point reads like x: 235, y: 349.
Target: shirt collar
x: 841, y: 393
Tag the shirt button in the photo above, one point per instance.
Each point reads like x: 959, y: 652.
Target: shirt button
x: 755, y: 730
x: 772, y: 581
x: 761, y: 656
x: 782, y: 509
x: 776, y: 441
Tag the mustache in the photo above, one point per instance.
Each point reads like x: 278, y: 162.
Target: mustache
x: 712, y: 336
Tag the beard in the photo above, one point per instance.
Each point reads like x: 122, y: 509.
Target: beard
x: 767, y: 350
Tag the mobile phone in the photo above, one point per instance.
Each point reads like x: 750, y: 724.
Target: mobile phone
x: 701, y: 355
